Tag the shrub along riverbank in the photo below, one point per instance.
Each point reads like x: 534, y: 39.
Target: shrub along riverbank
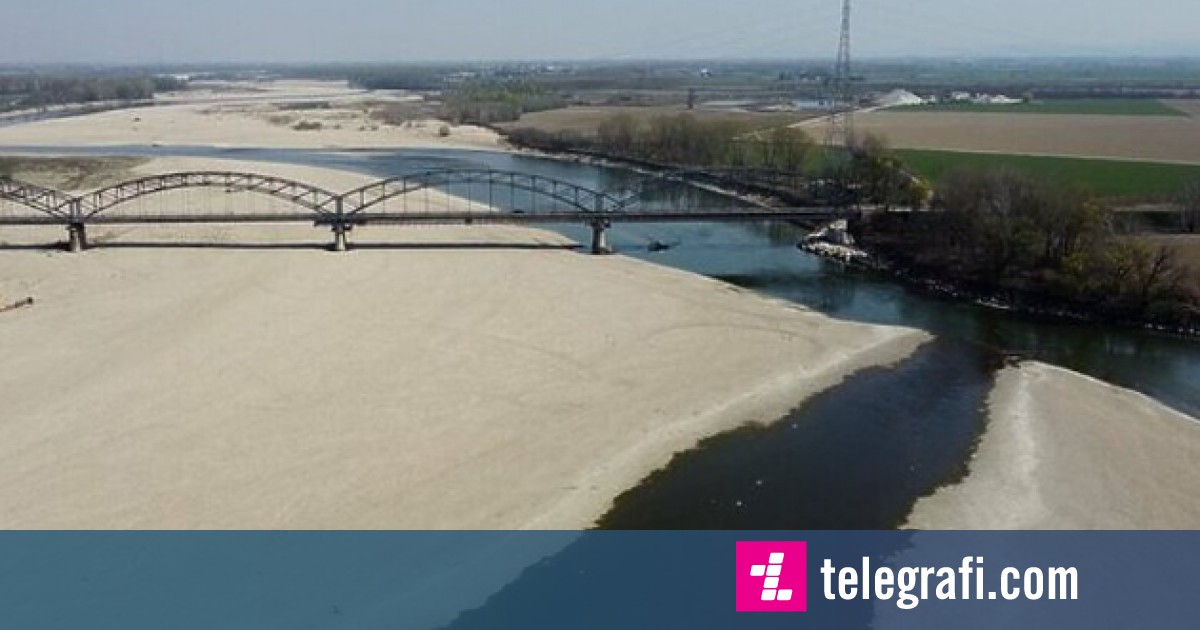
x: 1009, y: 237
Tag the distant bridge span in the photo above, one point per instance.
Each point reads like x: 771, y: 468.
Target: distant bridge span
x: 542, y: 200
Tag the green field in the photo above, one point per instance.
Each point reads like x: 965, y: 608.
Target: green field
x: 1105, y: 178
x: 1094, y: 107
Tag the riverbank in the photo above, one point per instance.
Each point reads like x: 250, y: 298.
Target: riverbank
x: 736, y: 186
x: 450, y: 377
x: 1028, y: 304
x: 937, y: 283
x: 1064, y: 451
x: 887, y: 255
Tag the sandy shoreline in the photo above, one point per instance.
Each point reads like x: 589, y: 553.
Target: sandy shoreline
x: 387, y: 388
x: 1065, y: 451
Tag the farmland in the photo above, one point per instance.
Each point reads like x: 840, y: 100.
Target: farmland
x: 1106, y: 178
x: 1077, y: 107
x: 1148, y: 138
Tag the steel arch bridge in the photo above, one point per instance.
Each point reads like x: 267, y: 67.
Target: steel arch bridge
x: 541, y: 200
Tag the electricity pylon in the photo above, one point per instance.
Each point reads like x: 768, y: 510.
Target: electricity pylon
x: 841, y: 96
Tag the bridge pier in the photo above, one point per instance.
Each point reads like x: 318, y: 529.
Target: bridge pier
x: 340, y: 242
x: 76, y: 238
x: 600, y: 237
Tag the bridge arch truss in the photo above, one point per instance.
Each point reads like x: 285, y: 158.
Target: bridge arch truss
x: 312, y: 198
x: 53, y: 206
x: 561, y: 193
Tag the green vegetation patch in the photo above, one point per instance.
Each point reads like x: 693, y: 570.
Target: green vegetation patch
x: 587, y: 121
x: 1105, y: 178
x: 1093, y: 107
x: 490, y: 102
x: 27, y: 91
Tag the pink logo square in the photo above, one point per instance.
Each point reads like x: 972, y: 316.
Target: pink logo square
x: 772, y: 577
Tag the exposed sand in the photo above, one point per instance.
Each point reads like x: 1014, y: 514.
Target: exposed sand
x: 253, y: 115
x: 275, y: 91
x: 1152, y: 138
x: 384, y: 388
x: 1064, y: 451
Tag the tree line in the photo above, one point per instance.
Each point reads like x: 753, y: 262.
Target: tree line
x: 491, y: 102
x: 779, y: 156
x: 414, y: 78
x: 35, y: 91
x: 684, y: 140
x: 1008, y: 232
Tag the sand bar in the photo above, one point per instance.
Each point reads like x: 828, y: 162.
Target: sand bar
x: 1064, y: 451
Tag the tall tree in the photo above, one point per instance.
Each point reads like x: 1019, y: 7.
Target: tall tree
x: 1189, y: 207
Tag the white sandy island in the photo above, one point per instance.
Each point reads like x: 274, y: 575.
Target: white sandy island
x: 1064, y: 451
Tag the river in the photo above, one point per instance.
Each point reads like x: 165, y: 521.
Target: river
x: 859, y: 455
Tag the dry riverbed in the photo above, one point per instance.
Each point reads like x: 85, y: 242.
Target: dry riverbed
x: 199, y: 386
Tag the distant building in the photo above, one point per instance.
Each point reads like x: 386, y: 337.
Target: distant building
x: 989, y: 99
x: 461, y: 77
x: 899, y: 98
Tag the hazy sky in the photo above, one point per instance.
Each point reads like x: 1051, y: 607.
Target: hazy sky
x: 148, y: 31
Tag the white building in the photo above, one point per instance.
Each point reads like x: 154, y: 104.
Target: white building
x: 899, y: 98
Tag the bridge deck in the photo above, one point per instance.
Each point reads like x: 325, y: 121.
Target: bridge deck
x: 449, y: 217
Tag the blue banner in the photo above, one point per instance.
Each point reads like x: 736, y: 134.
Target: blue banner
x: 572, y: 580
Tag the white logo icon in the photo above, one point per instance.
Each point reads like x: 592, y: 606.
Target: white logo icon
x: 771, y: 592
